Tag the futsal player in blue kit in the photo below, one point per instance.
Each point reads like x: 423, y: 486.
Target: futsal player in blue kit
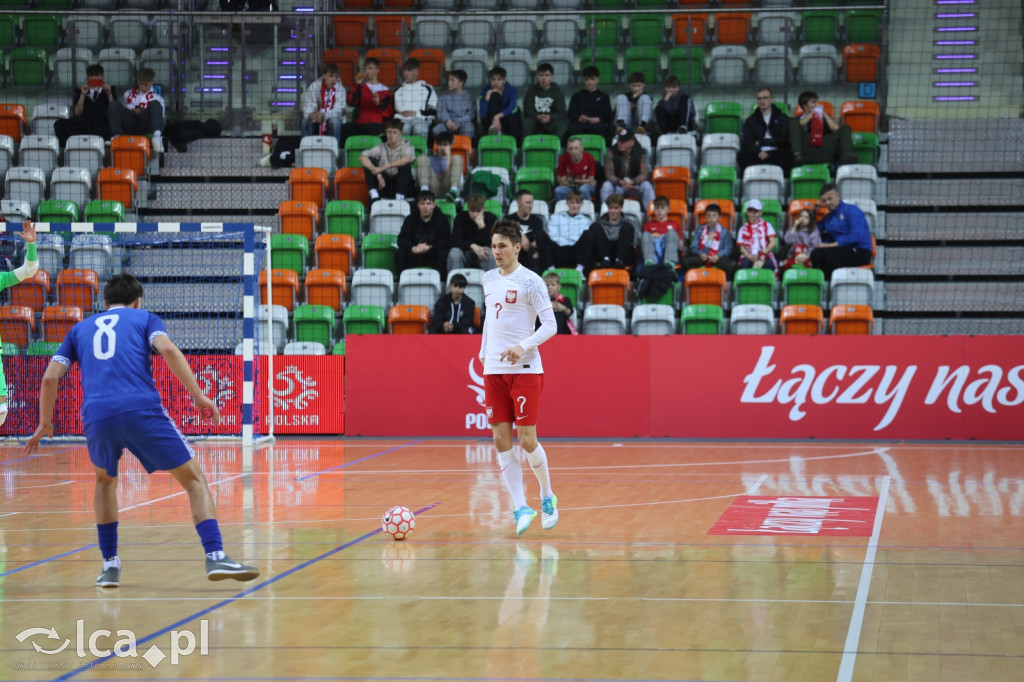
x: 122, y: 409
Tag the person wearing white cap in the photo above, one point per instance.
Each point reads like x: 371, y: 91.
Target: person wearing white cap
x: 757, y: 240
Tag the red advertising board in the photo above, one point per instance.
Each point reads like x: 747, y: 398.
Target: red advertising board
x: 845, y: 387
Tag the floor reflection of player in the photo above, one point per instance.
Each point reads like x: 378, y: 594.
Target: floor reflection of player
x: 521, y: 619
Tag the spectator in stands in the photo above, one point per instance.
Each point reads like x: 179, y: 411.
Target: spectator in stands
x: 441, y: 172
x: 454, y: 311
x: 498, y: 105
x: 535, y: 253
x: 757, y: 240
x: 815, y: 136
x: 456, y: 110
x: 577, y: 170
x: 662, y: 238
x: 571, y: 238
x: 471, y: 236
x: 711, y: 244
x: 141, y: 111
x: 372, y: 101
x: 802, y: 238
x: 561, y: 306
x: 415, y: 100
x: 323, y: 104
x: 633, y: 110
x: 675, y: 112
x: 845, y: 235
x: 423, y: 239
x: 89, y: 109
x: 388, y: 165
x: 613, y: 236
x: 626, y: 171
x: 544, y: 110
x: 766, y: 136
x: 590, y: 109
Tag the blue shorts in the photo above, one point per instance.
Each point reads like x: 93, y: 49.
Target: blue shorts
x: 150, y: 435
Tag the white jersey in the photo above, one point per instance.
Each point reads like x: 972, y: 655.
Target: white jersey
x: 512, y: 304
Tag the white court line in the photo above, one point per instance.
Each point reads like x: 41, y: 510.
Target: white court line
x: 48, y: 485
x: 857, y: 619
x: 180, y: 492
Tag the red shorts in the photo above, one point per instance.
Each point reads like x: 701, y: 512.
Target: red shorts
x: 513, y: 398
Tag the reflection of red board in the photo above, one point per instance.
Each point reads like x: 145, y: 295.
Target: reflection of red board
x: 798, y: 516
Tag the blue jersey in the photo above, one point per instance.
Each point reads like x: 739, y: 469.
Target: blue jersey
x: 114, y: 350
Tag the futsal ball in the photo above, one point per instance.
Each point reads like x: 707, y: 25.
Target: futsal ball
x: 399, y: 522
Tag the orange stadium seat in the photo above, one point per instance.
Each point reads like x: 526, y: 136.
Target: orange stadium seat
x: 852, y: 319
x: 672, y: 182
x: 350, y: 31
x: 732, y: 29
x: 390, y: 64
x: 31, y: 293
x: 350, y: 185
x: 432, y: 63
x: 58, y: 320
x: 861, y: 62
x: 284, y: 288
x: 335, y: 252
x: 298, y: 217
x: 798, y: 205
x: 12, y: 121
x: 690, y: 29
x: 78, y: 288
x: 17, y: 323
x: 608, y: 286
x: 130, y: 151
x: 862, y: 116
x: 728, y: 212
x: 347, y: 61
x: 801, y: 319
x: 326, y: 287
x: 409, y: 319
x: 308, y: 184
x: 389, y: 31
x: 117, y: 184
x: 462, y: 145
x: 677, y: 212
x: 705, y: 286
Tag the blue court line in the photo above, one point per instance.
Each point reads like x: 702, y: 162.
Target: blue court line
x: 446, y: 678
x: 240, y: 595
x: 361, y: 459
x: 43, y: 561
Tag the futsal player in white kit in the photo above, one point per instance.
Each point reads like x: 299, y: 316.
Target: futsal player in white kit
x: 514, y: 298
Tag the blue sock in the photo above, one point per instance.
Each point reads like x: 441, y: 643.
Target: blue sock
x: 209, y: 533
x: 107, y: 533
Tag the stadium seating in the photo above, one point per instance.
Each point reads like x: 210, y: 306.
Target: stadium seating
x: 862, y: 116
x: 25, y: 184
x: 85, y: 151
x: 863, y: 26
x: 752, y: 286
x: 751, y: 319
x: 672, y: 182
x: 100, y: 211
x: 539, y: 181
x: 801, y: 319
x: 819, y: 27
x: 498, y: 150
x: 58, y: 320
x: 390, y: 59
x: 852, y: 286
x: 12, y: 121
x: 379, y: 251
x: 409, y: 319
x: 278, y: 316
x: 57, y: 211
x: 93, y: 252
x: 806, y: 181
x: 866, y: 147
x: 604, y: 319
x: 44, y: 348
x: 720, y: 149
x: 117, y: 184
x: 727, y: 208
x: 17, y: 324
x: 857, y: 181
x: 764, y: 182
x: 350, y: 184
x: 284, y: 287
x: 432, y: 62
x: 728, y: 65
x: 717, y: 182
x: 419, y: 286
x: 350, y: 30
x: 608, y: 286
x: 335, y: 252
x: 652, y: 319
x: 803, y: 286
x: 345, y: 58
x: 541, y: 151
x: 705, y: 286
x: 309, y: 185
x: 6, y: 153
x: 702, y: 319
x: 39, y: 151
x: 860, y: 62
x: 318, y: 151
x: 723, y: 117
x: 687, y: 64
x: 817, y: 64
x: 29, y: 67
x: 289, y: 252
x: 387, y: 216
x: 298, y: 217
x: 343, y: 216
x: 690, y: 29
x: 363, y: 319
x: 314, y: 323
x: 373, y: 287
x: 851, y: 319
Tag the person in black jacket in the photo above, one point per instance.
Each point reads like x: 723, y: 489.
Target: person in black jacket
x: 766, y: 136
x: 89, y: 115
x: 590, y: 109
x: 423, y: 239
x: 471, y: 236
x: 453, y: 312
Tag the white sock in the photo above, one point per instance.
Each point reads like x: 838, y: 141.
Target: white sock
x: 112, y: 562
x: 539, y: 463
x: 512, y: 474
x: 216, y: 556
x: 374, y: 194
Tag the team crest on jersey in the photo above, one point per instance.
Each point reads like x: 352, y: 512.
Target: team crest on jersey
x: 510, y: 296
x: 490, y: 412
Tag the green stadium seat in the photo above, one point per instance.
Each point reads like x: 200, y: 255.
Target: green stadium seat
x: 865, y: 146
x: 647, y: 30
x: 343, y: 216
x: 864, y: 26
x: 42, y: 348
x: 8, y: 348
x: 595, y: 144
x: 803, y: 286
x: 717, y: 182
x: 289, y: 252
x: 754, y: 286
x: 355, y: 145
x: 687, y: 64
x: 723, y: 117
x: 28, y: 67
x: 541, y: 151
x: 606, y: 59
x: 418, y: 142
x: 669, y: 297
x: 498, y: 151
x: 42, y: 30
x: 539, y: 181
x: 703, y: 319
x: 57, y: 211
x: 644, y: 59
x: 606, y: 30
x: 104, y: 211
x: 379, y: 251
x: 573, y: 284
x: 820, y: 27
x: 807, y: 180
x: 339, y: 348
x: 363, y: 319
x: 494, y: 207
x: 449, y: 209
x: 8, y: 31
x: 314, y: 323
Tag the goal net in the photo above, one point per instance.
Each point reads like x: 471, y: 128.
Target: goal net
x: 200, y: 278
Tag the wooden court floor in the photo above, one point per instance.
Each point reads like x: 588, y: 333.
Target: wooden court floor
x: 635, y: 583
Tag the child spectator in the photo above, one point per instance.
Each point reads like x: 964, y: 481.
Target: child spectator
x: 372, y: 101
x: 802, y: 238
x: 815, y: 137
x: 498, y: 112
x: 561, y: 306
x: 141, y: 112
x: 590, y: 109
x: 415, y: 100
x: 661, y: 237
x: 633, y: 110
x: 675, y: 112
x: 757, y: 240
x: 423, y: 239
x: 323, y: 104
x: 711, y: 244
x: 456, y: 110
x: 387, y: 166
x: 544, y: 110
x: 571, y: 239
x: 441, y: 172
x: 454, y: 311
x: 471, y: 237
x: 89, y: 108
x: 577, y: 170
x: 613, y: 236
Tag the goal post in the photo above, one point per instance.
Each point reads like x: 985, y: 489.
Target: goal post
x: 200, y: 278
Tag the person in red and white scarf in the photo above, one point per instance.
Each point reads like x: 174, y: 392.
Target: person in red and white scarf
x: 757, y: 240
x: 323, y: 105
x: 711, y: 244
x: 140, y: 111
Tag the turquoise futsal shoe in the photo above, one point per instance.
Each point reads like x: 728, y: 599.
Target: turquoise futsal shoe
x: 524, y: 517
x: 549, y: 512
